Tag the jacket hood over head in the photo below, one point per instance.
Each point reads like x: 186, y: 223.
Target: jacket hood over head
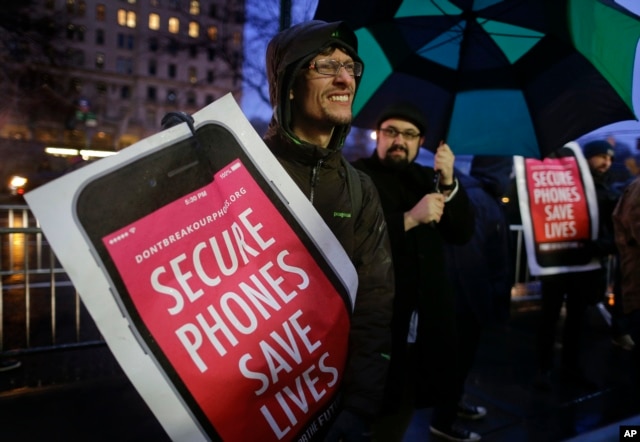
x: 291, y: 50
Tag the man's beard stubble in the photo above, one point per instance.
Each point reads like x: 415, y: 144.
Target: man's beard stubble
x: 337, y: 119
x: 394, y: 162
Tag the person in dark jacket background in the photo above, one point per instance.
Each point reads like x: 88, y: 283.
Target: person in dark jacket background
x: 481, y: 270
x: 627, y: 237
x: 313, y: 70
x: 422, y: 215
x: 577, y: 289
x: 601, y: 158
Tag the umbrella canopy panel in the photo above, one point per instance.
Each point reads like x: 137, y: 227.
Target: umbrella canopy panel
x: 495, y: 77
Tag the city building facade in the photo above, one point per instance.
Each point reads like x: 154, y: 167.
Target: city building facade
x: 100, y: 74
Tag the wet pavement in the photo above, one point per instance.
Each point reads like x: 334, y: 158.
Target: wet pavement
x: 81, y: 394
x: 502, y: 382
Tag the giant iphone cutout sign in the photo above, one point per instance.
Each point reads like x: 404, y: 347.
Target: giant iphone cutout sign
x: 216, y: 285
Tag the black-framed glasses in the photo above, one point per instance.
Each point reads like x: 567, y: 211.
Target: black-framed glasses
x: 392, y: 132
x: 332, y: 67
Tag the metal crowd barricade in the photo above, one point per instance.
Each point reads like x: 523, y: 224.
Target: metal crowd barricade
x: 525, y: 286
x: 30, y: 275
x: 33, y: 285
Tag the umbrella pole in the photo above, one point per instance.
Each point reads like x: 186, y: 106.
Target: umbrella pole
x: 285, y: 14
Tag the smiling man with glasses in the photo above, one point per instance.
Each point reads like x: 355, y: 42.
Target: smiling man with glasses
x: 425, y: 208
x: 314, y: 70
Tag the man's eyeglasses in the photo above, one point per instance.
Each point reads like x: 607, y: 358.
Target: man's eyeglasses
x: 392, y: 132
x: 332, y: 67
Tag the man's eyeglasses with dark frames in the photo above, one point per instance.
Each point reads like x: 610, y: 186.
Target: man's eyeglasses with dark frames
x: 332, y: 67
x: 392, y: 132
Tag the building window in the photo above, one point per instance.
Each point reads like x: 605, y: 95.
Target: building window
x: 174, y: 25
x: 213, y: 11
x: 75, y: 85
x: 71, y: 30
x: 82, y: 8
x: 239, y: 17
x: 151, y: 93
x: 100, y: 60
x: 174, y: 4
x: 126, y: 41
x: 124, y: 66
x: 153, y: 44
x: 211, y: 54
x: 131, y: 19
x: 191, y: 99
x: 172, y: 71
x: 122, y: 17
x: 71, y: 6
x: 153, y: 67
x: 99, y: 36
x: 101, y: 12
x: 155, y: 3
x: 154, y: 21
x: 75, y: 32
x: 236, y: 60
x: 210, y: 77
x: 125, y: 92
x: 212, y: 33
x: 209, y: 99
x: 101, y: 87
x: 193, y: 51
x: 173, y: 47
x: 237, y: 38
x: 194, y: 7
x: 172, y: 97
x: 126, y: 18
x: 49, y: 4
x: 194, y: 29
x: 75, y: 57
x: 193, y: 75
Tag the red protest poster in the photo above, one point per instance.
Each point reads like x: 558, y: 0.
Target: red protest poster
x: 236, y: 309
x: 559, y: 211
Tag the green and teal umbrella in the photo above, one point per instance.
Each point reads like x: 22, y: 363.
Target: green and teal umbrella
x: 496, y: 77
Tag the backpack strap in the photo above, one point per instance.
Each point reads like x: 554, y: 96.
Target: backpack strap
x: 355, y: 188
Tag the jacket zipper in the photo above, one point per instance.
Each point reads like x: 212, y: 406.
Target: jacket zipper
x: 314, y: 179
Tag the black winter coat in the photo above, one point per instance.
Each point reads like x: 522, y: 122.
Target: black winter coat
x: 481, y: 270
x: 321, y: 173
x: 421, y: 281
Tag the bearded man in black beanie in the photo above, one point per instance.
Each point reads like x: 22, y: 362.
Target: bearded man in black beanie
x: 425, y: 208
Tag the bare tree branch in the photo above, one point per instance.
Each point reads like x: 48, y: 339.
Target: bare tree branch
x: 262, y: 24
